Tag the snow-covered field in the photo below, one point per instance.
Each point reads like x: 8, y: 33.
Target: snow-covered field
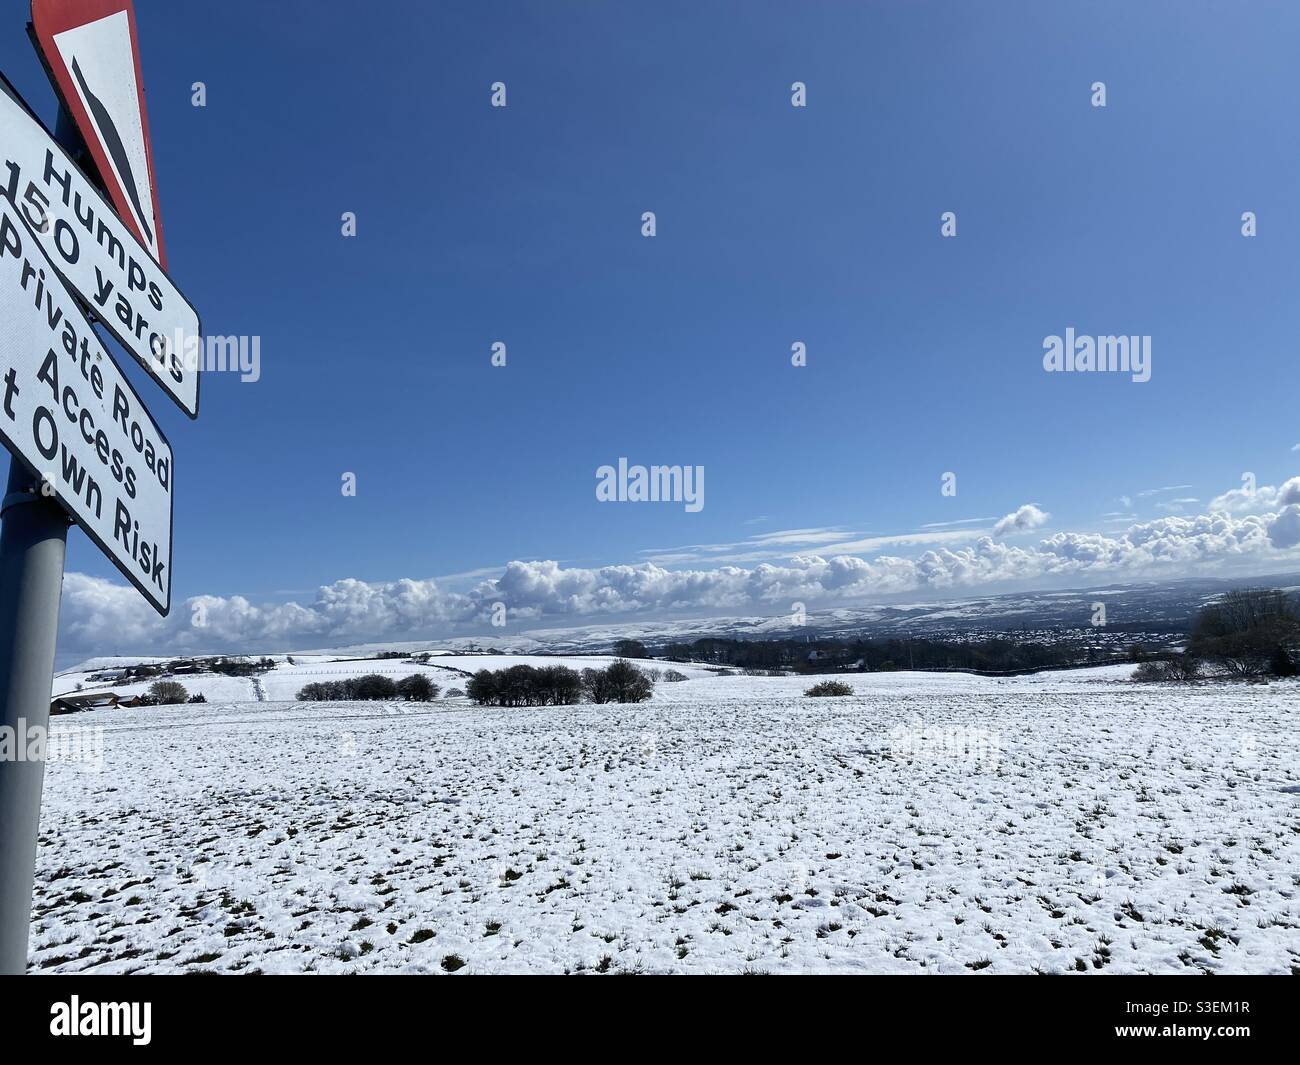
x: 287, y: 679
x: 929, y: 823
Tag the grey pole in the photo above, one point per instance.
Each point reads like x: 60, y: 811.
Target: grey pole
x: 33, y: 539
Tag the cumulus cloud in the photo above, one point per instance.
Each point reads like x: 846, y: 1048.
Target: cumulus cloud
x: 1260, y: 500
x: 1026, y: 518
x: 1284, y: 530
x: 102, y: 617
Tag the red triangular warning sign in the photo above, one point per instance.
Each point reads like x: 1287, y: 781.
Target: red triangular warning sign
x: 93, y: 57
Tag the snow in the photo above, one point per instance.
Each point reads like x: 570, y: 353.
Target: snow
x: 286, y: 680
x: 927, y: 823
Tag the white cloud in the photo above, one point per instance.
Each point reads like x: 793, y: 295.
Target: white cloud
x: 1284, y: 530
x: 1026, y: 518
x: 959, y: 521
x: 101, y: 617
x: 914, y: 539
x: 1265, y: 498
x: 783, y: 545
x: 803, y: 536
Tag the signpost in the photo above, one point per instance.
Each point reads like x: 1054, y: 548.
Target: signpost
x: 71, y: 416
x: 84, y: 447
x: 96, y: 253
x: 33, y: 537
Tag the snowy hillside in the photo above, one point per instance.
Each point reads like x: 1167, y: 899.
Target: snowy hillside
x: 928, y: 823
x: 287, y: 679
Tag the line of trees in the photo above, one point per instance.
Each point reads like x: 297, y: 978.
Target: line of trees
x: 523, y: 685
x: 832, y: 655
x: 1250, y: 632
x: 417, y: 688
x: 239, y: 666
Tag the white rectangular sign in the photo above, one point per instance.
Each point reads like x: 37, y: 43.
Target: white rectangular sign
x: 97, y: 255
x: 69, y: 413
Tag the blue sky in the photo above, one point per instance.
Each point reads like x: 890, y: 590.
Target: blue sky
x: 775, y: 224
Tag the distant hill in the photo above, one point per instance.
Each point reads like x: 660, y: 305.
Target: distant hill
x: 1159, y: 611
x: 1150, y: 608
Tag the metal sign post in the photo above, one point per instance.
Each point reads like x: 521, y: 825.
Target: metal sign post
x: 33, y: 544
x: 33, y: 538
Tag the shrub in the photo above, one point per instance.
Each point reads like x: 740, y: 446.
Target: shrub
x: 829, y: 687
x: 631, y: 649
x: 482, y: 687
x: 198, y: 698
x: 626, y: 684
x: 454, y: 693
x: 417, y: 688
x: 1149, y: 672
x: 517, y: 686
x: 525, y: 685
x: 1186, y: 665
x: 595, y: 685
x: 559, y: 685
x: 1281, y: 665
x: 371, y: 686
x: 168, y: 692
x: 1176, y: 667
x: 671, y: 676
